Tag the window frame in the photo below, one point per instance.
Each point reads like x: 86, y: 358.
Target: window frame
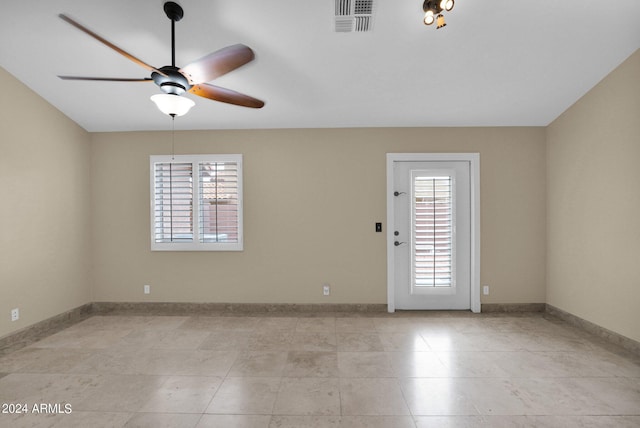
x: 195, y: 244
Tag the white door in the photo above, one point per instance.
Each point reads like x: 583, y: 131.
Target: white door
x: 431, y: 235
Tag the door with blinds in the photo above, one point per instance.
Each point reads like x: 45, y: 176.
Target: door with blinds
x: 431, y: 235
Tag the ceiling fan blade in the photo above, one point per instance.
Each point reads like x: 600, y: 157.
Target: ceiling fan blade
x: 224, y: 95
x: 109, y: 44
x: 107, y: 79
x: 217, y: 63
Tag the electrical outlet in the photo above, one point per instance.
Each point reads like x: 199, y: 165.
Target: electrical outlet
x: 326, y: 289
x: 15, y: 314
x: 147, y: 289
x: 485, y: 290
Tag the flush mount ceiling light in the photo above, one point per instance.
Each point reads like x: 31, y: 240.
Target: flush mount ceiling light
x: 432, y: 11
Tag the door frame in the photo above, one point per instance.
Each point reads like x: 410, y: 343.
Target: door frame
x: 474, y: 176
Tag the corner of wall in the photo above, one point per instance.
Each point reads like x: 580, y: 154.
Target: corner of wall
x: 45, y: 220
x: 593, y: 231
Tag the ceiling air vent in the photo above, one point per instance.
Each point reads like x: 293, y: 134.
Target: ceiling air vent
x: 353, y: 15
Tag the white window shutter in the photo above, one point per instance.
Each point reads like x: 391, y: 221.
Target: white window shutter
x: 173, y: 208
x: 433, y: 231
x: 196, y: 203
x: 219, y: 202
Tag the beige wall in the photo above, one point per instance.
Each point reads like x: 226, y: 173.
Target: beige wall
x: 593, y: 155
x: 44, y: 219
x: 311, y: 200
x: 75, y: 214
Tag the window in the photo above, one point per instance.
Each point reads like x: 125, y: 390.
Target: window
x: 433, y: 240
x: 201, y: 214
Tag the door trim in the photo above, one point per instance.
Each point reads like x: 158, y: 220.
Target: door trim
x: 474, y: 176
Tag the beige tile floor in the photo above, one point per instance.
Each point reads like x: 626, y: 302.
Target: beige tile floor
x: 424, y: 370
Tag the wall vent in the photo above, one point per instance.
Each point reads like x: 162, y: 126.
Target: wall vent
x: 353, y: 15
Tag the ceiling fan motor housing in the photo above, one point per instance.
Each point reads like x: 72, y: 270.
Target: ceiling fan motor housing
x: 173, y: 83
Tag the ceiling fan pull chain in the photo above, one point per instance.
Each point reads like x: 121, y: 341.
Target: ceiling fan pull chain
x: 173, y: 137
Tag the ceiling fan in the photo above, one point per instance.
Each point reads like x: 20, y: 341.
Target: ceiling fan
x: 191, y: 78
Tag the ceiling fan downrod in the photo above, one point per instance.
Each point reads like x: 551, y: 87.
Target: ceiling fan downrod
x: 175, y: 13
x: 173, y: 82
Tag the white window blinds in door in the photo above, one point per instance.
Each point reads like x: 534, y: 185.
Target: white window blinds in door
x: 196, y: 203
x: 433, y: 230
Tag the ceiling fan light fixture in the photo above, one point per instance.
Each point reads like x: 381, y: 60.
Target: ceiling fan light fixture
x: 172, y: 105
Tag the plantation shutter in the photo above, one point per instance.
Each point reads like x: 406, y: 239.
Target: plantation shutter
x: 196, y: 203
x: 173, y: 202
x: 433, y: 231
x: 219, y: 202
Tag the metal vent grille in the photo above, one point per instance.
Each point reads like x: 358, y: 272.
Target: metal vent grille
x: 363, y: 23
x: 353, y: 15
x: 363, y: 7
x: 343, y: 7
x: 344, y: 24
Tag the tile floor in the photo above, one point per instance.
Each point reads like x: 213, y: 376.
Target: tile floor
x: 423, y: 370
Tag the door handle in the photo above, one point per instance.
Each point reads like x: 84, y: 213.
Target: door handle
x: 397, y: 244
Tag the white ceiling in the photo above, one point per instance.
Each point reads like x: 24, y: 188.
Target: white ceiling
x: 516, y: 64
